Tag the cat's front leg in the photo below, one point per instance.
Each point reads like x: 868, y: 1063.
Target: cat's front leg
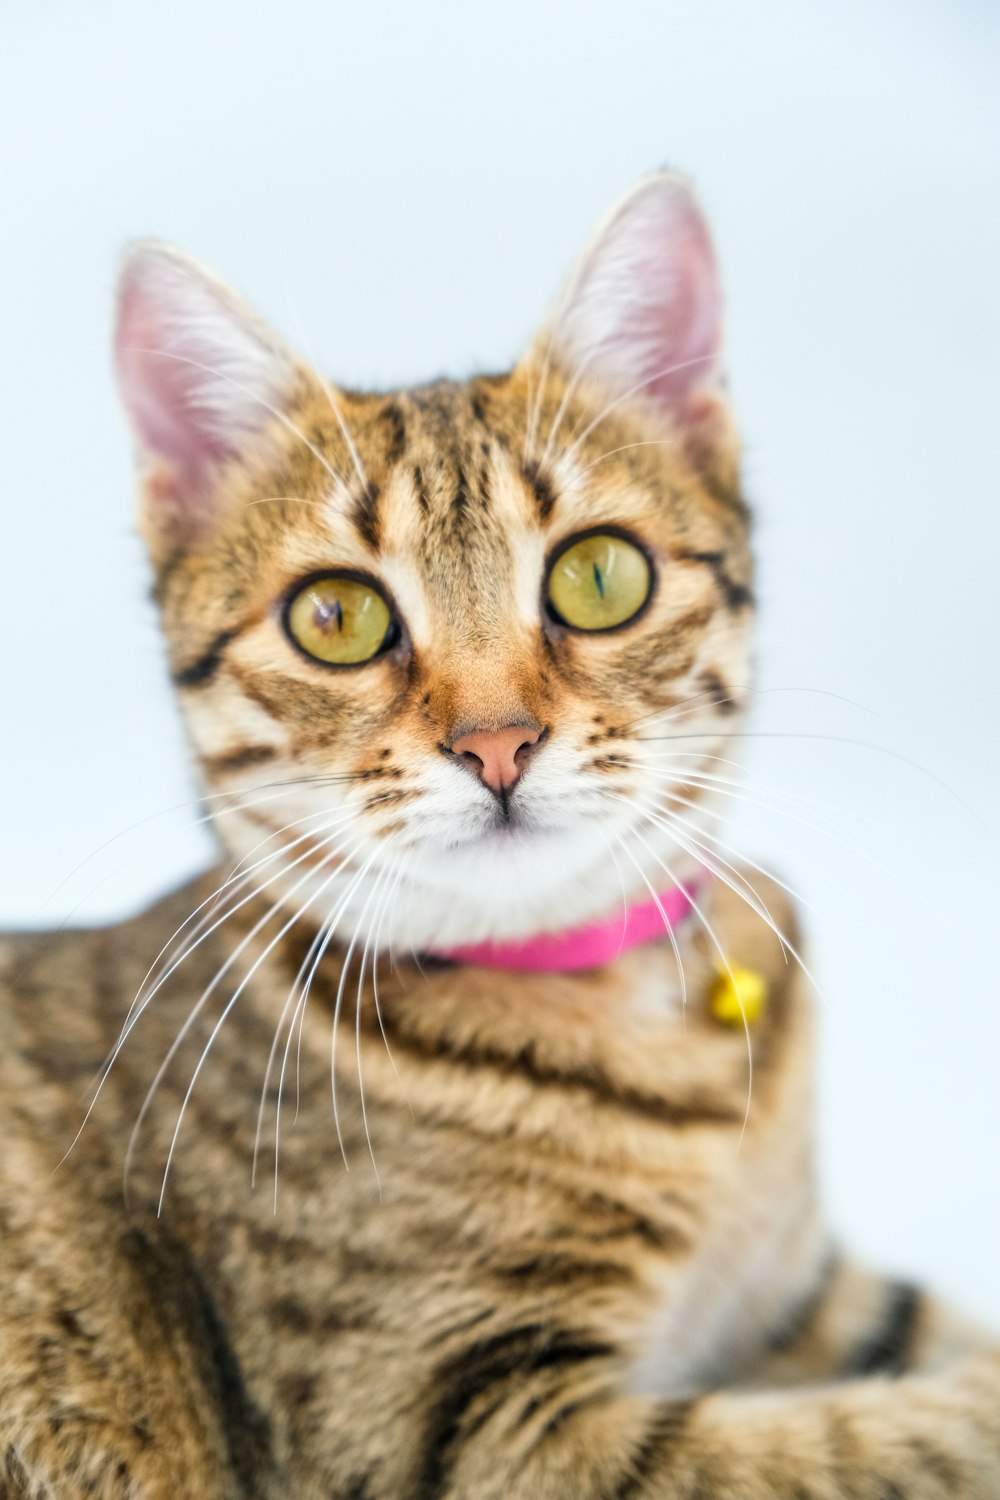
x: 919, y: 1438
x: 855, y: 1322
x: 560, y: 1430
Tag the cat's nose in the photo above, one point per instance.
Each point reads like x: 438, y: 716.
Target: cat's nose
x: 497, y: 756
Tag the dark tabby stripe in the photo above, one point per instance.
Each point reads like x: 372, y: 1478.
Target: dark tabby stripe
x: 17, y: 1484
x: 556, y: 1268
x: 420, y: 490
x: 524, y: 1062
x: 238, y: 759
x: 736, y: 595
x: 392, y: 415
x: 205, y: 668
x: 177, y: 1288
x: 667, y: 1427
x: 538, y: 484
x: 365, y: 516
x: 803, y: 1315
x: 660, y: 1236
x: 927, y: 1456
x: 712, y: 683
x: 460, y: 499
x: 885, y: 1350
x: 484, y: 1369
x: 357, y: 1489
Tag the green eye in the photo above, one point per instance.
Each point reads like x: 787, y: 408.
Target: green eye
x: 341, y: 621
x: 599, y: 582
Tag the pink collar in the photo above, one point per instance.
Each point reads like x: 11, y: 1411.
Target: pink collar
x: 587, y: 947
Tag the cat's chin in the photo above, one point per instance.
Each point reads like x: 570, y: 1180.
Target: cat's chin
x: 513, y: 882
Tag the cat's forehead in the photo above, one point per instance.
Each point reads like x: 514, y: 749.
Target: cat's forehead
x: 431, y: 468
x: 448, y: 437
x: 447, y: 498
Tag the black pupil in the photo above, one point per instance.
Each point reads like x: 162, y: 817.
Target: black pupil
x: 328, y: 614
x: 598, y: 580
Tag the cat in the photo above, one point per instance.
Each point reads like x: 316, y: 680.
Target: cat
x: 453, y: 1137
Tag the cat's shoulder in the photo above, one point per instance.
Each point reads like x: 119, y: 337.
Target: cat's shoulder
x: 65, y: 991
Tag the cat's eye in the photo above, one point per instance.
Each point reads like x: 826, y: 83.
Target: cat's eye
x: 599, y: 581
x: 341, y: 621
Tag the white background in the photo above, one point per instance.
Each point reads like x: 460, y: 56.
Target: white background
x: 401, y: 188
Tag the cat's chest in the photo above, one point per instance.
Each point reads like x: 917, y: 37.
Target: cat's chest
x: 462, y: 1191
x: 346, y: 1306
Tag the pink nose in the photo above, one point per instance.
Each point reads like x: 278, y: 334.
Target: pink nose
x: 498, y: 756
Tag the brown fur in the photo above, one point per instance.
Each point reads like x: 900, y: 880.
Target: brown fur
x: 552, y: 1245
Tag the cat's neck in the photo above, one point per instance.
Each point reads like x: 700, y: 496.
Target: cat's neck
x: 590, y: 945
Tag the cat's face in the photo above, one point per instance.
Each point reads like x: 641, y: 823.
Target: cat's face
x: 429, y: 645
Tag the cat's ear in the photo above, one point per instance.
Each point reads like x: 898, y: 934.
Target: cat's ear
x: 642, y: 314
x: 201, y: 377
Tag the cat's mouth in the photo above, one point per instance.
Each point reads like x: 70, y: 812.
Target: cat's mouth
x: 502, y: 830
x: 506, y: 816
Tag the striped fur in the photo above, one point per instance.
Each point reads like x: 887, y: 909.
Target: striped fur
x: 549, y: 1242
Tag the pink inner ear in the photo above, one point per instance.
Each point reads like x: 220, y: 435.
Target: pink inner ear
x: 683, y: 324
x: 645, y: 313
x: 160, y: 381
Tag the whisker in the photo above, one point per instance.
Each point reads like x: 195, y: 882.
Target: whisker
x: 559, y: 312
x: 723, y: 959
x: 370, y: 944
x: 337, y: 822
x: 298, y: 1015
x: 691, y: 844
x: 624, y: 448
x: 659, y: 765
x: 680, y: 710
x: 712, y: 862
x: 139, y: 1005
x: 315, y: 952
x: 658, y: 816
x: 341, y: 986
x: 195, y: 823
x: 771, y: 799
x: 273, y: 1052
x: 832, y: 739
x: 621, y: 881
x: 236, y: 880
x: 668, y: 927
x: 291, y: 1028
x: 818, y: 824
x: 739, y: 694
x: 345, y: 431
x: 286, y: 500
x: 147, y: 999
x: 535, y: 404
x: 226, y: 1011
x: 567, y: 395
x: 696, y: 833
x: 672, y: 822
x: 393, y: 895
x: 634, y: 390
x: 279, y: 416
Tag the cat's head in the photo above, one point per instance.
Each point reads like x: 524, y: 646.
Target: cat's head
x: 455, y: 661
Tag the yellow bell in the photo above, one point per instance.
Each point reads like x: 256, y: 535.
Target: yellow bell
x: 738, y: 994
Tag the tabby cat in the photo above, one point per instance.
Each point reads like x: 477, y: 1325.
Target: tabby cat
x: 452, y: 1138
